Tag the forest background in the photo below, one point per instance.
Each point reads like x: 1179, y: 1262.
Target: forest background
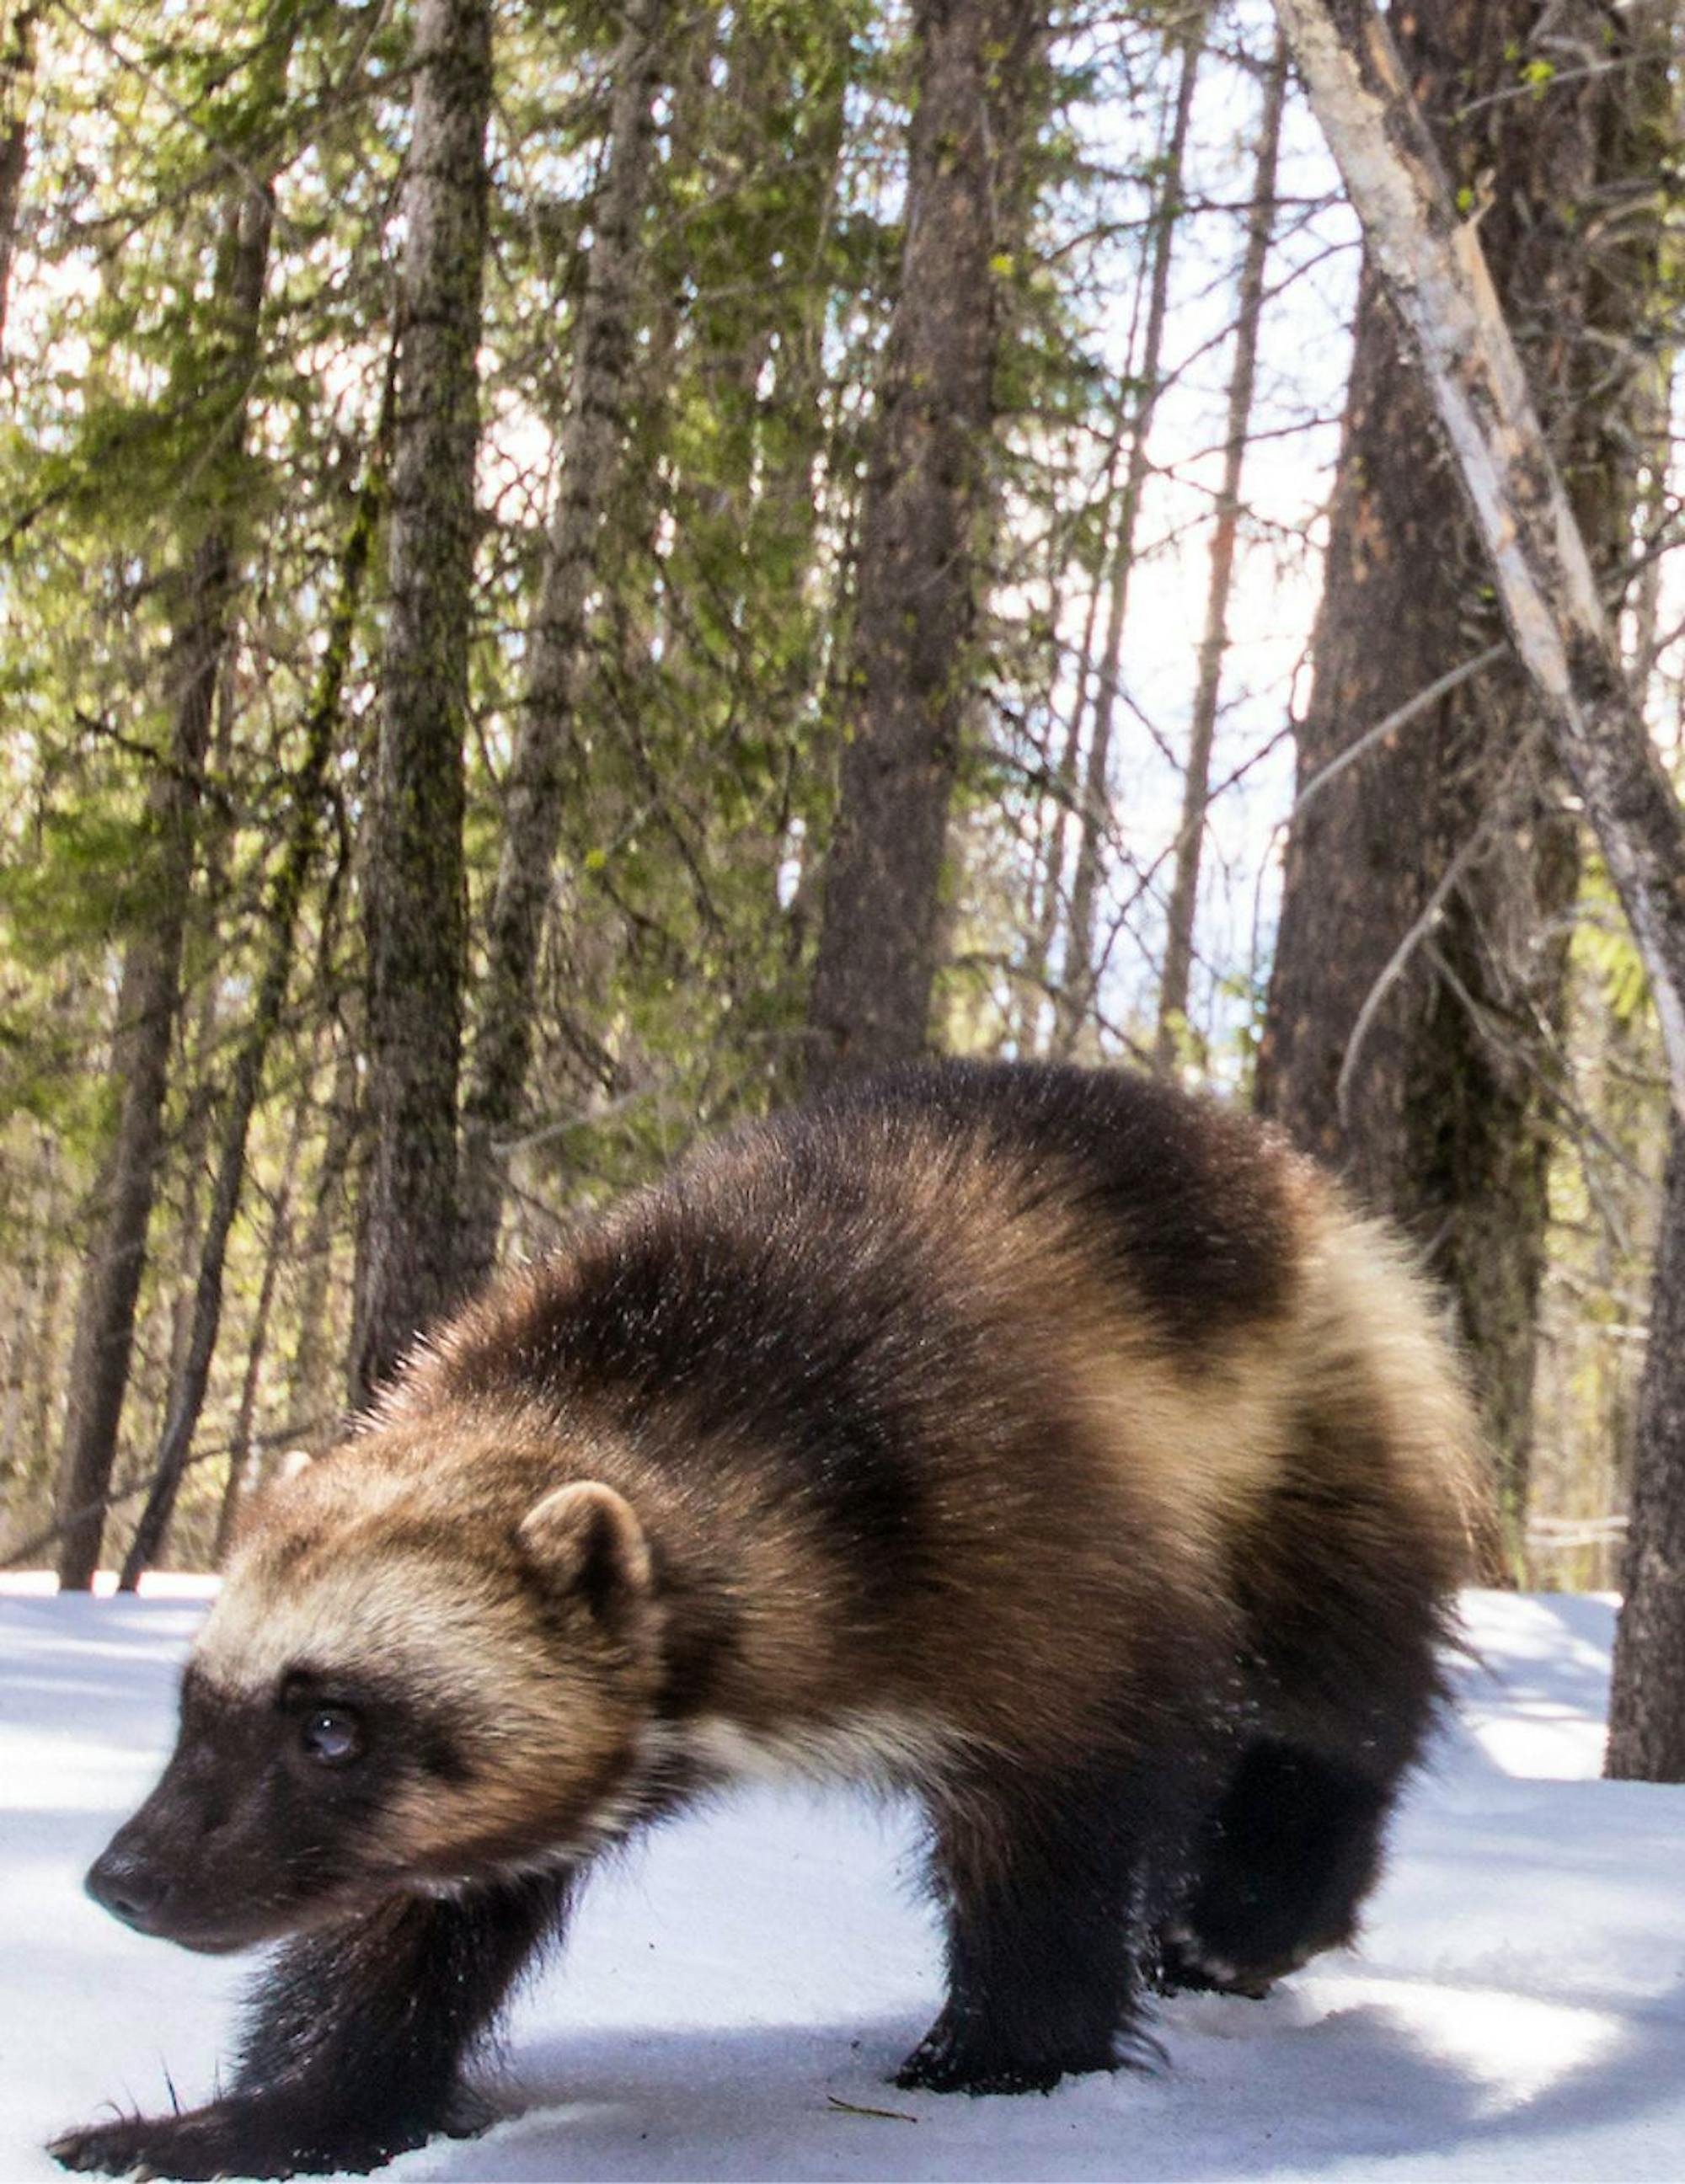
x: 569, y: 571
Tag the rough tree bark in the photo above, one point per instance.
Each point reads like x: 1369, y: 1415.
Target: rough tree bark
x: 284, y: 900
x: 408, y: 1269
x: 558, y: 652
x: 926, y: 497
x: 1179, y: 922
x: 1647, y: 1695
x: 17, y: 82
x: 149, y: 994
x: 1431, y: 261
x: 1081, y: 972
x: 1435, y: 1098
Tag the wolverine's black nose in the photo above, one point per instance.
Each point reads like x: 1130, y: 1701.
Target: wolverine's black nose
x: 129, y: 1887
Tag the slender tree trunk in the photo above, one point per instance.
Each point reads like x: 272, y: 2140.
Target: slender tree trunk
x: 275, y: 1257
x: 46, y: 1378
x: 1173, y: 990
x: 408, y: 1265
x: 310, y: 1373
x: 1050, y: 895
x: 17, y: 82
x: 149, y: 994
x: 197, y: 1072
x: 927, y: 494
x: 281, y: 922
x: 34, y: 1257
x: 1081, y: 972
x: 558, y: 650
x: 1417, y: 985
x: 1432, y: 263
x: 1050, y: 864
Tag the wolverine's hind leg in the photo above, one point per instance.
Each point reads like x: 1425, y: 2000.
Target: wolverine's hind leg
x: 1041, y: 1883
x: 1287, y: 1859
x: 354, y: 2044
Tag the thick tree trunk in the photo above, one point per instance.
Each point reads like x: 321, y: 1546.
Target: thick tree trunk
x: 280, y: 924
x: 150, y: 990
x: 1419, y: 967
x: 534, y: 792
x: 1081, y: 973
x: 1646, y: 1697
x: 1173, y: 984
x: 16, y: 83
x: 408, y: 1265
x: 1432, y: 263
x: 926, y: 497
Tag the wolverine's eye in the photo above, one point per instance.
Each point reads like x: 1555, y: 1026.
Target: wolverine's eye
x: 331, y: 1734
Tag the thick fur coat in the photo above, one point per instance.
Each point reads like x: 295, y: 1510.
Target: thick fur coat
x: 1051, y: 1446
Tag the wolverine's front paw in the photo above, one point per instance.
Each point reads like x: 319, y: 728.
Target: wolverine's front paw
x: 1186, y: 1964
x: 239, y: 2136
x: 976, y: 2061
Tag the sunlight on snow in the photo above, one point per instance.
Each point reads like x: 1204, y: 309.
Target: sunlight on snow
x: 1515, y: 2046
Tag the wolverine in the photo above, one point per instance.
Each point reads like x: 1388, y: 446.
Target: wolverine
x: 1051, y: 1446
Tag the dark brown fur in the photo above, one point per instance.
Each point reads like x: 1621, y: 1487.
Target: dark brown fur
x: 1047, y: 1443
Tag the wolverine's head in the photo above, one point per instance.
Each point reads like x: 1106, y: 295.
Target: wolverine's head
x: 417, y: 1675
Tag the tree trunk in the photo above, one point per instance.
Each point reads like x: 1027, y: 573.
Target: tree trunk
x: 926, y: 497
x: 17, y: 82
x: 532, y: 797
x: 414, y: 890
x: 1173, y: 990
x: 309, y: 1374
x: 1432, y: 263
x: 240, y: 1434
x: 1048, y: 886
x: 280, y: 924
x: 196, y: 1068
x: 149, y: 994
x: 1080, y: 976
x: 1420, y: 968
x: 1647, y: 1695
x: 34, y: 1257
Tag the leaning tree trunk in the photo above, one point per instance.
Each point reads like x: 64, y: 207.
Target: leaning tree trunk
x: 1081, y: 978
x: 926, y: 497
x: 1420, y: 970
x: 408, y: 1270
x: 1432, y: 263
x: 150, y: 990
x: 534, y: 794
x: 1178, y: 919
x: 282, y: 909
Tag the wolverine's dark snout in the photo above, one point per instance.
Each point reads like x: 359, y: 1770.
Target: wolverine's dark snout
x: 185, y: 1867
x: 130, y: 1885
x: 153, y: 1876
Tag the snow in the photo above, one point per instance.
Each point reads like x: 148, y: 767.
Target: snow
x: 1517, y: 2008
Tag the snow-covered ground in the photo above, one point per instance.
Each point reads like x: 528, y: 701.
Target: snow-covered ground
x: 735, y: 1993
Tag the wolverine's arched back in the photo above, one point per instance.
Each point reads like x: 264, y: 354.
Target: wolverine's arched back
x: 1048, y: 1443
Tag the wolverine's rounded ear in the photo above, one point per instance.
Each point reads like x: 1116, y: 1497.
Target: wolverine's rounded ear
x: 585, y: 1538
